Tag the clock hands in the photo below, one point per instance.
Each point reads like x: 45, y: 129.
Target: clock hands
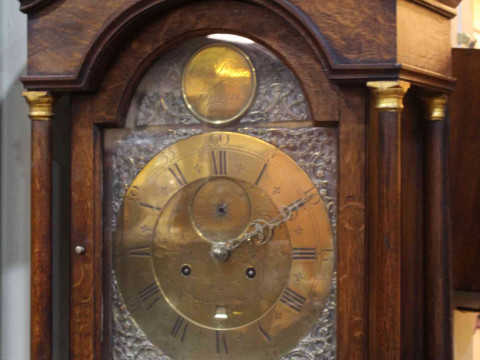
x: 261, y: 228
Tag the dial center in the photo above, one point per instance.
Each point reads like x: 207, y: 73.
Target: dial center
x: 248, y: 282
x: 221, y: 209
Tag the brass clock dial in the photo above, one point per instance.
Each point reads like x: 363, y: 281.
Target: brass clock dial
x: 219, y: 83
x: 231, y: 190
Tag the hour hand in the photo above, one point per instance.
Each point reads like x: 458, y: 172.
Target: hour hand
x: 220, y: 251
x: 259, y: 228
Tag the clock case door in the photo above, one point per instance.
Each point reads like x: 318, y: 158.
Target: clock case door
x: 342, y: 109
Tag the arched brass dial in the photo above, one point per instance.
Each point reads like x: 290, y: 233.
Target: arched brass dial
x: 210, y: 189
x: 219, y: 83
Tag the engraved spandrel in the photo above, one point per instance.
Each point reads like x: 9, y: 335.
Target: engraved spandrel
x: 129, y: 342
x: 158, y: 99
x: 315, y: 150
x: 131, y: 153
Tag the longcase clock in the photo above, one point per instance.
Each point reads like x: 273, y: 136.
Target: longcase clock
x: 257, y: 179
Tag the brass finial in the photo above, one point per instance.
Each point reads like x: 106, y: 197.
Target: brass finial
x: 435, y: 106
x: 389, y: 94
x: 41, y: 104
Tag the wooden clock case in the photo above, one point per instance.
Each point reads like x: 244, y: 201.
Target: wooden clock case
x: 392, y: 250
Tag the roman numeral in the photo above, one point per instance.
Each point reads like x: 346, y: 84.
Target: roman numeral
x: 151, y: 206
x: 140, y: 251
x: 264, y: 333
x: 304, y: 254
x: 221, y: 340
x: 293, y: 300
x: 261, y: 174
x: 180, y: 328
x: 220, y: 167
x: 149, y: 292
x: 177, y: 174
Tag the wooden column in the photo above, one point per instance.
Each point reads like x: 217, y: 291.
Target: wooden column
x: 352, y: 250
x: 384, y: 225
x: 438, y: 318
x: 41, y: 106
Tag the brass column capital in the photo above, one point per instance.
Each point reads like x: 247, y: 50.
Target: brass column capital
x: 41, y: 104
x: 435, y: 106
x: 389, y: 94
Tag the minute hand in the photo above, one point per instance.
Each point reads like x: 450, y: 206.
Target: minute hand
x: 262, y: 229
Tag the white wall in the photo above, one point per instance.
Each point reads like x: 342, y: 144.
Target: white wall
x: 468, y: 12
x: 15, y: 188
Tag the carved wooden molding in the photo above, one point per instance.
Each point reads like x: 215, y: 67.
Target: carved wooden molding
x: 427, y: 79
x: 439, y: 7
x: 114, y: 33
x: 378, y: 72
x: 28, y: 6
x: 340, y: 74
x: 113, y: 36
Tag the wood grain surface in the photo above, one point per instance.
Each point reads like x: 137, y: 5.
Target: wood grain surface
x: 464, y: 170
x: 352, y: 247
x: 61, y: 35
x: 72, y: 44
x: 265, y: 27
x: 438, y: 291
x: 86, y: 211
x: 41, y: 242
x: 423, y: 38
x: 384, y: 226
x: 451, y: 3
x: 28, y: 6
x: 412, y: 235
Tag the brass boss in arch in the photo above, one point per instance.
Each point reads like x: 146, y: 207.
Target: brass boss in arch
x: 219, y: 84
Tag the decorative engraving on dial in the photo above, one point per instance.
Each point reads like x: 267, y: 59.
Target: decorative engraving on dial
x: 140, y: 251
x: 131, y: 153
x: 320, y: 342
x: 129, y: 341
x: 151, y: 206
x: 315, y: 151
x: 158, y: 99
x: 219, y: 83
